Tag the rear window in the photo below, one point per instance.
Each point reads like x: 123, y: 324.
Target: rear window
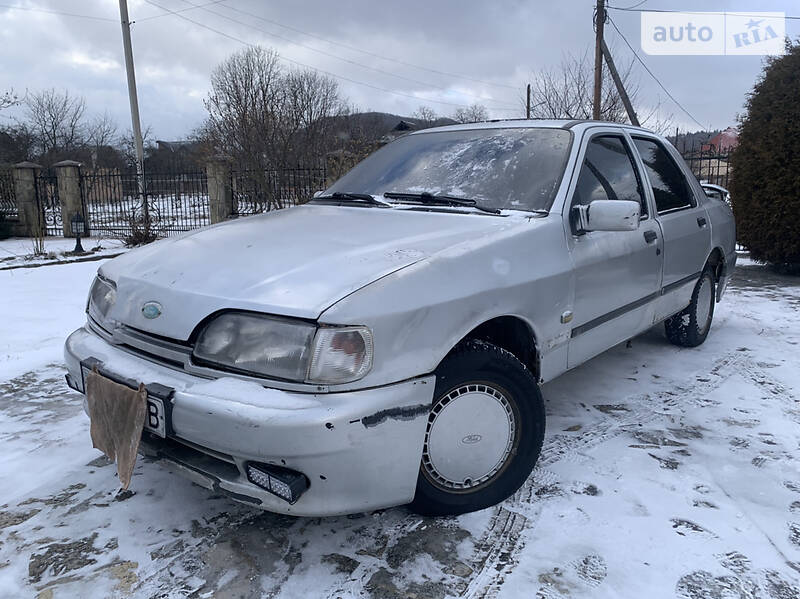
x: 670, y: 187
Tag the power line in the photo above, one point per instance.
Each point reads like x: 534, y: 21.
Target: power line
x: 164, y: 14
x: 692, y: 12
x: 307, y: 66
x: 498, y: 105
x: 57, y: 12
x: 367, y: 52
x: 646, y: 68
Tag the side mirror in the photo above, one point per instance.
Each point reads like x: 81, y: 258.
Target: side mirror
x: 317, y: 194
x: 608, y: 215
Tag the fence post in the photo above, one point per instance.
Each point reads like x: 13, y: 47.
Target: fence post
x: 31, y: 222
x: 220, y: 196
x: 68, y: 173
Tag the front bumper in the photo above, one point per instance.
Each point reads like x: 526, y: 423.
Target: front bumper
x: 360, y: 450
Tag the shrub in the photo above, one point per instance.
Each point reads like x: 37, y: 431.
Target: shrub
x: 765, y: 188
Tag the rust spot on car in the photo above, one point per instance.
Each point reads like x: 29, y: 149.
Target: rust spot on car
x: 401, y: 413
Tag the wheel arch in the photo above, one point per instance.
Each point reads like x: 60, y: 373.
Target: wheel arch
x: 512, y: 334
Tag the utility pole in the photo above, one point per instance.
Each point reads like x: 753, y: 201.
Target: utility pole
x: 134, y: 101
x: 599, y: 21
x: 528, y: 103
x: 620, y: 87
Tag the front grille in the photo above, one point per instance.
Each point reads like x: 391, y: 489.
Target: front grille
x: 161, y: 350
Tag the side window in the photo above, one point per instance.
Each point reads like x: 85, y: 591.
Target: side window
x: 670, y: 187
x: 608, y: 173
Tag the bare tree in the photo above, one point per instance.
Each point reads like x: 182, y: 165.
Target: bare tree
x: 426, y: 115
x: 8, y: 99
x: 267, y: 119
x: 56, y: 120
x: 101, y: 132
x: 305, y: 124
x: 474, y: 113
x: 566, y: 91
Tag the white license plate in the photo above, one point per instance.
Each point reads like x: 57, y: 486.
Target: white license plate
x: 155, y: 418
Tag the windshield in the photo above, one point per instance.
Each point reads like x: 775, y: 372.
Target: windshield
x: 511, y: 169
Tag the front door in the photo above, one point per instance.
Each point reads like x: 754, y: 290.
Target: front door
x: 617, y: 274
x: 684, y: 223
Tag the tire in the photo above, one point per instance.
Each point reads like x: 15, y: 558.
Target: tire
x: 484, y: 432
x: 689, y: 328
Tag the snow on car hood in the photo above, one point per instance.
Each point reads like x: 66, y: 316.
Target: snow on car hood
x: 294, y: 262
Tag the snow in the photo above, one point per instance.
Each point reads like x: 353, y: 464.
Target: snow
x: 18, y: 251
x: 666, y: 472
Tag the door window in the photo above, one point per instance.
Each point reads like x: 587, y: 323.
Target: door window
x: 608, y: 173
x: 670, y: 187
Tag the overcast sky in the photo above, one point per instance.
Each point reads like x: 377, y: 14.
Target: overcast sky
x: 470, y: 51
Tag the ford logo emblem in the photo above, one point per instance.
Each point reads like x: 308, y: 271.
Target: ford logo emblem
x: 151, y: 310
x: 471, y: 439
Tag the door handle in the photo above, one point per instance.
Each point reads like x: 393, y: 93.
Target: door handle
x: 701, y: 221
x: 650, y: 236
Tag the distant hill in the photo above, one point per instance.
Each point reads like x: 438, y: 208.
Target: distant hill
x: 376, y: 125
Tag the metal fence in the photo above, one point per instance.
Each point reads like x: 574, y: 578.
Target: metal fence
x: 708, y: 164
x: 254, y: 192
x: 8, y: 203
x: 169, y: 203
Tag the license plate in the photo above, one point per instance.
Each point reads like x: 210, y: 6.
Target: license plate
x: 155, y: 418
x: 158, y: 416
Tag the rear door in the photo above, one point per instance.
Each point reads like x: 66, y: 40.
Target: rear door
x: 617, y: 274
x: 684, y: 223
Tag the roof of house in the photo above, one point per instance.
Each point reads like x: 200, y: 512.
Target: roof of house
x: 723, y: 141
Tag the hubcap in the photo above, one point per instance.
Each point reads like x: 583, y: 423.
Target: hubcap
x: 703, y: 304
x: 470, y: 436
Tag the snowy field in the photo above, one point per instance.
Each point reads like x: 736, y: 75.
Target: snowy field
x: 666, y: 472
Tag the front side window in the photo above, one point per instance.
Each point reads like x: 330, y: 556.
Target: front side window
x: 670, y: 187
x: 512, y: 169
x: 608, y: 173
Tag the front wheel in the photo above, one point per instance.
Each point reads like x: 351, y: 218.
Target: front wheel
x: 689, y: 328
x: 484, y: 432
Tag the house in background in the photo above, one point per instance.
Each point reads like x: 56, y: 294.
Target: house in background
x: 723, y: 142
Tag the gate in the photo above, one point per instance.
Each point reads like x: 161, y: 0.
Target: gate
x: 48, y: 202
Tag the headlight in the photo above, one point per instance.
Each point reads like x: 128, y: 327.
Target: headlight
x: 286, y: 349
x: 102, y: 296
x: 261, y: 345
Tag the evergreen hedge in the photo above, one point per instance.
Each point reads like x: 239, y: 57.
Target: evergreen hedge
x: 765, y: 185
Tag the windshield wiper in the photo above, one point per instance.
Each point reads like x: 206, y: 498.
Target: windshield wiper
x: 353, y: 197
x: 441, y: 199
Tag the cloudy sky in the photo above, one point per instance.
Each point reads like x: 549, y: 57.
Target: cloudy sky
x: 388, y: 56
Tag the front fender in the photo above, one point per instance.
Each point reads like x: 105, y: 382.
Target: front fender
x: 420, y: 313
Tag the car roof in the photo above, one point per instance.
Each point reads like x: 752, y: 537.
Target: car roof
x: 573, y: 124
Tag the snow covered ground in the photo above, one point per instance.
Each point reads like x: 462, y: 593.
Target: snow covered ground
x: 18, y: 251
x: 666, y: 472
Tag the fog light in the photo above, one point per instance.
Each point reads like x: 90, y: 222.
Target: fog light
x: 286, y: 484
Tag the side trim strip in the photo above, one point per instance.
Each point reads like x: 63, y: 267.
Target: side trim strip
x: 613, y: 314
x: 632, y: 306
x: 667, y: 288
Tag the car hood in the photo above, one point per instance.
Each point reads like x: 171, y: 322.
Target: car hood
x: 295, y: 262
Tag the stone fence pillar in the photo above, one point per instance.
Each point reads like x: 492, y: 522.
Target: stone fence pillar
x: 31, y: 219
x: 68, y: 173
x: 220, y: 195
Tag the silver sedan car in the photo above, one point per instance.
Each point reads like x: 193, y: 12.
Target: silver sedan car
x: 384, y: 343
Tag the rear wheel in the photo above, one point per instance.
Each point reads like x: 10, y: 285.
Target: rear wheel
x: 484, y: 432
x: 689, y: 328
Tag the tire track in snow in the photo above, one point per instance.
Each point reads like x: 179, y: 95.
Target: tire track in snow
x: 504, y: 540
